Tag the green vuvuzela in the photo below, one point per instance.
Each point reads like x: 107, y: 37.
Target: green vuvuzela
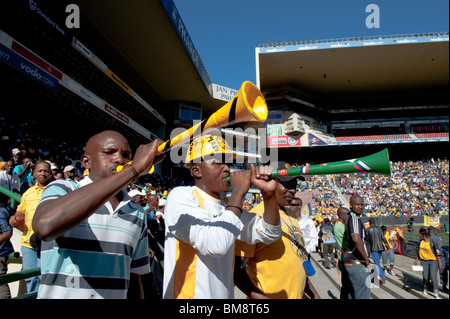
x: 377, y: 163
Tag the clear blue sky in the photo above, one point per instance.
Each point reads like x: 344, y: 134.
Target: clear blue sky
x: 226, y: 32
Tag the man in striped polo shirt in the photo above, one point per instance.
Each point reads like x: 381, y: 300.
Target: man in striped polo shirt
x: 94, y: 238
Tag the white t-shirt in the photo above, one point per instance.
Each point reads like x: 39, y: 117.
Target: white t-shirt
x: 9, y: 181
x: 199, y: 246
x: 309, y: 232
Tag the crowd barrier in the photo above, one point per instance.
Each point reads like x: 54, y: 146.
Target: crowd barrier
x: 418, y: 220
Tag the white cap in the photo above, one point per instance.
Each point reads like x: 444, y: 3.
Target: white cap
x: 135, y: 192
x: 68, y: 168
x: 162, y: 202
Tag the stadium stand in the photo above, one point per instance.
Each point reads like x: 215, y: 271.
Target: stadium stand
x: 371, y: 134
x: 415, y: 188
x: 394, y: 133
x: 429, y: 130
x: 61, y: 149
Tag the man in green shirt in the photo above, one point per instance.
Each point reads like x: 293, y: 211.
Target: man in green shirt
x: 341, y: 244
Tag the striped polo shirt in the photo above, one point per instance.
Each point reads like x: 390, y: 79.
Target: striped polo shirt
x: 95, y: 258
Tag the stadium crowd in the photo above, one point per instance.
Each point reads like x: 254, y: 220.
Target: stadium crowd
x: 26, y: 139
x: 415, y: 188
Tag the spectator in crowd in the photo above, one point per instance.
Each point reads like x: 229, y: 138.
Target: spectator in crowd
x: 137, y: 196
x: 17, y: 156
x: 276, y: 270
x: 410, y: 224
x: 443, y: 275
x: 22, y: 220
x: 58, y: 175
x: 430, y: 259
x: 148, y: 188
x: 341, y: 246
x: 69, y: 172
x: 306, y: 225
x: 318, y: 220
x: 436, y: 239
x: 160, y: 213
x: 201, y: 229
x: 6, y: 247
x: 157, y: 260
x: 154, y: 229
x: 55, y: 172
x: 329, y: 243
x: 150, y: 208
x: 356, y: 257
x: 24, y: 173
x: 67, y: 220
x: 388, y: 255
x: 153, y: 282
x: 378, y: 244
x: 78, y: 171
x: 7, y: 179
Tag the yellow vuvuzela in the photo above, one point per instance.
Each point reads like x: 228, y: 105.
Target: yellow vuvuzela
x: 247, y: 105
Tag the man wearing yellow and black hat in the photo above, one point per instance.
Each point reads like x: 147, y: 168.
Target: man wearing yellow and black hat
x: 279, y: 270
x: 201, y: 228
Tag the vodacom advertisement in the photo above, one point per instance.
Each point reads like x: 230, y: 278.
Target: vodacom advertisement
x: 275, y: 137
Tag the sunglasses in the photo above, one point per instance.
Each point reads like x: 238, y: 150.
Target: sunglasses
x: 292, y: 184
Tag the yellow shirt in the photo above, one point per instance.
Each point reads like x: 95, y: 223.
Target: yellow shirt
x: 425, y: 251
x: 277, y: 268
x: 27, y: 206
x: 386, y: 235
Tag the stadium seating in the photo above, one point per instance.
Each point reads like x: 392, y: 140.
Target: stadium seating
x: 420, y: 131
x: 419, y: 187
x: 371, y: 134
x: 307, y: 197
x: 429, y: 131
x: 394, y: 133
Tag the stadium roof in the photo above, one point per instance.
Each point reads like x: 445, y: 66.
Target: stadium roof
x: 144, y: 33
x: 139, y: 43
x: 359, y: 72
x: 147, y: 46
